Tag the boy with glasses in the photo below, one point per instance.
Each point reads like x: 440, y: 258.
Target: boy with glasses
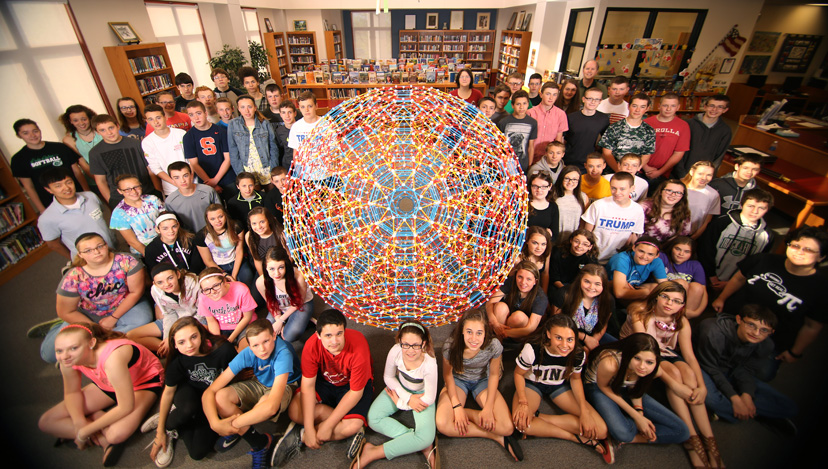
x: 175, y: 119
x: 134, y: 217
x: 515, y: 84
x: 585, y: 129
x: 709, y: 136
x: 730, y: 349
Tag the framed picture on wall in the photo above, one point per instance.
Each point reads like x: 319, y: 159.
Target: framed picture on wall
x: 456, y: 19
x: 431, y: 20
x: 483, y: 21
x: 526, y: 22
x: 125, y: 33
x: 727, y: 66
x: 519, y: 22
x: 300, y: 25
x: 512, y: 21
x: 796, y: 53
x: 268, y: 25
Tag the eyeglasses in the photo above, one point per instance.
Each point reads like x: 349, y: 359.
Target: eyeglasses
x: 572, y: 179
x: 535, y: 186
x: 675, y: 301
x: 717, y: 106
x: 756, y: 328
x: 214, y: 289
x: 131, y: 189
x: 405, y: 346
x: 592, y: 99
x: 126, y: 108
x: 672, y: 192
x: 585, y: 244
x: 515, y: 83
x: 164, y: 103
x: 799, y: 247
x: 95, y: 249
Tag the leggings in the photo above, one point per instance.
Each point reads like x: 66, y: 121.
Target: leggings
x: 404, y: 440
x: 189, y: 420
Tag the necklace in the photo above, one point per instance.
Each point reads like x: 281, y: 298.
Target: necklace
x: 668, y: 327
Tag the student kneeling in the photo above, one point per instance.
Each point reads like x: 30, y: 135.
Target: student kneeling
x: 233, y: 410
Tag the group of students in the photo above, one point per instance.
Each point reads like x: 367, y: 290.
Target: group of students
x: 560, y: 307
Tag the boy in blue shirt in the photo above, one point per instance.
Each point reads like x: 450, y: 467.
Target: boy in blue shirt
x: 233, y: 410
x: 629, y: 270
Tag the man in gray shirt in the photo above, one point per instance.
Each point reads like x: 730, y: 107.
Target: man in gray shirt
x: 70, y: 214
x: 191, y: 200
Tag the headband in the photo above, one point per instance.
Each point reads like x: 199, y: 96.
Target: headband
x: 211, y: 275
x: 413, y: 324
x: 648, y: 243
x: 79, y: 326
x: 165, y: 217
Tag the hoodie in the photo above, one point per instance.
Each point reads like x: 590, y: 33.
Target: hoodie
x: 730, y: 362
x: 730, y: 194
x: 726, y: 241
x: 706, y: 144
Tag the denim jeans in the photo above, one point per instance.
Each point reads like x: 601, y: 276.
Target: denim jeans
x: 297, y: 322
x: 768, y: 401
x: 137, y: 316
x: 669, y: 427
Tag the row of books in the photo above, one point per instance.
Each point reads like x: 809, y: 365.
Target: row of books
x: 430, y: 75
x: 11, y: 215
x: 480, y: 38
x: 301, y: 50
x: 511, y: 40
x: 18, y: 245
x: 155, y: 83
x: 147, y: 63
x: 391, y: 65
x: 300, y: 40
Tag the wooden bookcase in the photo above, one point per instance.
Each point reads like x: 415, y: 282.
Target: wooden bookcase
x: 328, y: 96
x: 142, y: 70
x: 333, y: 45
x: 12, y: 193
x: 514, y: 53
x: 302, y: 50
x: 278, y: 61
x: 473, y: 47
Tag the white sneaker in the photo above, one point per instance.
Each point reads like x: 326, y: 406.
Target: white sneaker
x: 164, y: 458
x: 151, y: 423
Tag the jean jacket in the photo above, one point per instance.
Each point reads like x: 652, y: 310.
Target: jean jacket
x: 238, y: 139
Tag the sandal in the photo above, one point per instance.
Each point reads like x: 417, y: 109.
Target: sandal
x: 510, y: 442
x: 694, y: 444
x: 355, y: 463
x: 436, y: 456
x: 713, y: 452
x: 112, y: 454
x: 596, y: 444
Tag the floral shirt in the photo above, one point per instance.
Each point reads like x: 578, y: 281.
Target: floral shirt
x: 661, y: 230
x: 100, y: 295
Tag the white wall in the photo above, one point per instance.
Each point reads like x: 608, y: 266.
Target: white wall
x: 316, y: 23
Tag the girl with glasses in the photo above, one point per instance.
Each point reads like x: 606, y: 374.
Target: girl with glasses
x: 662, y: 315
x: 679, y: 259
x: 542, y: 213
x: 667, y: 213
x: 570, y: 200
x: 101, y: 287
x: 410, y: 385
x: 228, y: 306
x: 132, y: 120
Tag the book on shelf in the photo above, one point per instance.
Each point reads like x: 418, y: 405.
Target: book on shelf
x: 355, y: 77
x: 147, y: 63
x: 372, y: 77
x: 11, y: 215
x: 18, y: 245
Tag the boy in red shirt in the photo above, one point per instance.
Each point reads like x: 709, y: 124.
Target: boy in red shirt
x: 336, y: 406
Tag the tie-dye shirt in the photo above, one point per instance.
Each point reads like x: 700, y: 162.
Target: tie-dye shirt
x: 141, y: 220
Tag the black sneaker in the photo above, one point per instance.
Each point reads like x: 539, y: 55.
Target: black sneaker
x: 785, y: 427
x: 226, y: 442
x: 40, y: 330
x: 288, y: 445
x: 260, y: 457
x: 356, y: 443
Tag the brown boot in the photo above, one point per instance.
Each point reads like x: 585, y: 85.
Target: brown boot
x: 713, y: 452
x: 695, y: 445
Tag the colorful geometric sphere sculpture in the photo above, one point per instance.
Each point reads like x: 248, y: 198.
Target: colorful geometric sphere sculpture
x: 404, y: 203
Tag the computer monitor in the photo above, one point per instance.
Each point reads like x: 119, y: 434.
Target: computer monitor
x: 791, y: 85
x: 757, y: 81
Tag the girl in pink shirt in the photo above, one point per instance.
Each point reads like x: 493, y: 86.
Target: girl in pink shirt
x: 228, y: 306
x: 124, y: 375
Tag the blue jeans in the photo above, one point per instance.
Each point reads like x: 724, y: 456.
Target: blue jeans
x: 137, y: 316
x: 669, y: 428
x: 245, y: 275
x: 768, y: 401
x: 297, y: 322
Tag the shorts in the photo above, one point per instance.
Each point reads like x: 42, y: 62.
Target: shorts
x: 226, y: 333
x: 157, y: 390
x: 330, y: 395
x: 672, y: 358
x: 472, y: 387
x: 159, y: 323
x: 552, y: 391
x: 250, y: 391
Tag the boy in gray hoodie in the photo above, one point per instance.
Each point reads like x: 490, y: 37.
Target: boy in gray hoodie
x: 731, y: 186
x: 731, y: 349
x: 734, y: 236
x: 709, y: 136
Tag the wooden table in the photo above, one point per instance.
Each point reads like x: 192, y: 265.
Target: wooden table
x: 809, y: 150
x: 805, y: 188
